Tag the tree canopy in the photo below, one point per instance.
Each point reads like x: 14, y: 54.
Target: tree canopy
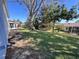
x: 52, y: 14
x: 47, y: 13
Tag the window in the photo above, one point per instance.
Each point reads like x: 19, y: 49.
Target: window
x: 11, y: 25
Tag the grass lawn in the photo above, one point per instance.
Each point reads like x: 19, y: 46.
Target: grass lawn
x: 55, y: 46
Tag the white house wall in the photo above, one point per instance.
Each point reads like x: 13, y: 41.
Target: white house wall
x: 3, y: 30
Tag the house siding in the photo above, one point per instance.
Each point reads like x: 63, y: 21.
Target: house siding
x: 72, y: 27
x: 3, y: 30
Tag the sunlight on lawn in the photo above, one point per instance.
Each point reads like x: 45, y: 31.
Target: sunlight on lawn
x: 49, y: 43
x: 25, y: 30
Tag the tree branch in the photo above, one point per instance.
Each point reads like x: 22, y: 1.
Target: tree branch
x: 39, y: 6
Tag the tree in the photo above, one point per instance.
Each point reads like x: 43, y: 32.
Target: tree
x: 60, y: 12
x: 57, y: 13
x: 19, y: 21
x: 51, y: 13
x: 33, y: 7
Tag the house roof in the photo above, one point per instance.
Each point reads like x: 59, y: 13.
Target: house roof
x: 71, y: 24
x: 13, y: 21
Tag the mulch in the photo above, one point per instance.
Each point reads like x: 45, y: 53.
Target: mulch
x: 20, y: 53
x: 13, y: 37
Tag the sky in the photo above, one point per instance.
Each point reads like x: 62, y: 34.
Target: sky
x: 17, y: 11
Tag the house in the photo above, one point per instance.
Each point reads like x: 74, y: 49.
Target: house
x: 13, y: 24
x: 3, y: 29
x: 71, y: 27
x: 4, y: 13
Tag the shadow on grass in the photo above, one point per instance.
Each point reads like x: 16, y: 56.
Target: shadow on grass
x: 54, y: 45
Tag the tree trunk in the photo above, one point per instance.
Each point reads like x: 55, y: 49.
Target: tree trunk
x: 53, y: 27
x: 31, y: 25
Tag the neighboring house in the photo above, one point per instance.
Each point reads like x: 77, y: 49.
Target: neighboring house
x: 14, y: 24
x: 71, y: 27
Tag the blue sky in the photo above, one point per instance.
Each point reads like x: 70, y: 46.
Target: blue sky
x: 17, y: 11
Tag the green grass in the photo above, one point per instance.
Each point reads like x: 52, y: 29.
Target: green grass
x: 57, y: 46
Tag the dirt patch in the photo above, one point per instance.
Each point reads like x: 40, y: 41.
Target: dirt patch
x: 22, y: 49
